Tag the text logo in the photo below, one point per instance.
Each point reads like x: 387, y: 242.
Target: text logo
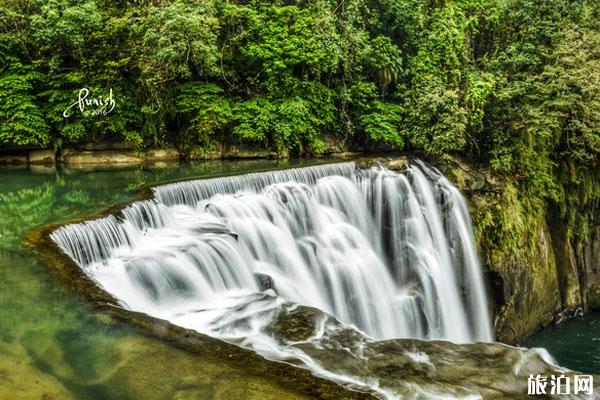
x: 578, y: 384
x: 91, y: 106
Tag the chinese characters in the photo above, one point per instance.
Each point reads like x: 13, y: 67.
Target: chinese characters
x: 562, y: 384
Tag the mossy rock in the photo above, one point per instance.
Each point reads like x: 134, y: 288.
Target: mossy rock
x: 397, y: 164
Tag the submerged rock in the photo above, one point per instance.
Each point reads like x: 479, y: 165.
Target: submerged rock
x: 20, y: 377
x: 265, y: 282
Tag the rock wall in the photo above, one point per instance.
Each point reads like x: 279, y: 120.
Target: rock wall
x: 529, y: 286
x: 537, y: 275
x: 587, y: 256
x: 90, y: 154
x: 127, y: 153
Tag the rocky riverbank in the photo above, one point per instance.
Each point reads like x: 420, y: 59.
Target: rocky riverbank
x: 127, y: 154
x: 538, y: 274
x: 114, y: 154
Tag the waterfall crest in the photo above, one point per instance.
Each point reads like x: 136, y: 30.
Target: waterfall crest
x: 390, y: 254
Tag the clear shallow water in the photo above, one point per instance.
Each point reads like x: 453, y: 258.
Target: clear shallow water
x: 54, y: 344
x: 574, y: 344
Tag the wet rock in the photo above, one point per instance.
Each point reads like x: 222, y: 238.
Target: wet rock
x: 367, y: 163
x: 13, y: 159
x: 410, y: 368
x: 397, y: 164
x: 265, y: 282
x: 217, y: 228
x: 568, y: 313
x: 74, y: 158
x: 333, y: 145
x: 346, y: 155
x: 465, y: 176
x: 593, y: 293
x: 531, y: 286
x: 248, y: 151
x: 237, y: 151
x: 165, y: 154
x: 588, y: 256
x: 102, y: 146
x: 295, y: 325
x: 566, y: 262
x: 42, y: 157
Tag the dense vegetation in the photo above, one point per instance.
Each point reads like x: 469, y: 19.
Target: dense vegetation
x: 514, y: 83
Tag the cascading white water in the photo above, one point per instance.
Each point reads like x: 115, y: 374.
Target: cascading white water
x: 391, y: 254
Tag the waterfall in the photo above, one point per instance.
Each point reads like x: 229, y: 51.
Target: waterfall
x: 390, y: 254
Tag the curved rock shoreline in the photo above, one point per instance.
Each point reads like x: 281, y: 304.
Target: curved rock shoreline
x: 297, y: 380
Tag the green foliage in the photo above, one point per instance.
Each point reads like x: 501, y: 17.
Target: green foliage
x: 281, y: 38
x: 509, y: 225
x: 297, y: 125
x: 514, y: 84
x: 210, y: 113
x: 176, y: 41
x: 254, y: 119
x: 22, y: 120
x: 64, y: 25
x: 382, y: 124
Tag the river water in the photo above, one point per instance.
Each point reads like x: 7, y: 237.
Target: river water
x: 574, y: 344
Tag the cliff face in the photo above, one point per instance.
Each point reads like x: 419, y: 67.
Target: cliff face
x: 537, y: 274
x: 587, y: 257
